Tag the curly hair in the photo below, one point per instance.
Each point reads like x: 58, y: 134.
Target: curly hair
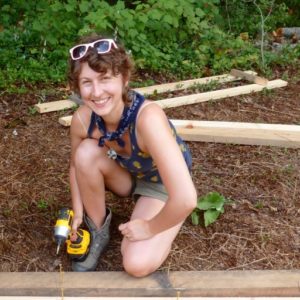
x: 116, y: 60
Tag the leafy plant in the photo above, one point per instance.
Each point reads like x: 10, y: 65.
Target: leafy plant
x: 32, y: 110
x: 42, y: 204
x: 212, y: 204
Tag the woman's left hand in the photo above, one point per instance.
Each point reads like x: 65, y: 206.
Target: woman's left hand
x: 136, y: 230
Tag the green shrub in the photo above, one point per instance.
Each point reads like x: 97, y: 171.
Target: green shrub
x: 182, y: 38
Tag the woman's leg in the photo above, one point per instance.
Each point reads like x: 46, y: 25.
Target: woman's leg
x: 94, y: 171
x: 144, y: 257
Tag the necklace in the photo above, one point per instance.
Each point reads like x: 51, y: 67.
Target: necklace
x: 128, y: 117
x: 112, y: 154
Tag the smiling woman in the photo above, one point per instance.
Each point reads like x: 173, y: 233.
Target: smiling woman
x: 125, y: 144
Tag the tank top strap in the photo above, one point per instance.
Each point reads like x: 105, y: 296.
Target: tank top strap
x: 92, y: 125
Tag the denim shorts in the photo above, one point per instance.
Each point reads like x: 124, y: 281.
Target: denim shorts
x: 149, y: 189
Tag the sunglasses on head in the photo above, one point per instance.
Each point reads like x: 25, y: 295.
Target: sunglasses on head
x: 102, y: 46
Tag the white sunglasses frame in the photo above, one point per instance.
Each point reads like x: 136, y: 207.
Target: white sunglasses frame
x: 88, y: 45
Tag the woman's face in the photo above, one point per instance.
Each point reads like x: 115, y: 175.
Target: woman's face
x: 101, y: 92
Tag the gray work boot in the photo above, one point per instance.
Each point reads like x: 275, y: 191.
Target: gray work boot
x: 99, y: 240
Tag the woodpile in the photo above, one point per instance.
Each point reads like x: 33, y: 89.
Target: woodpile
x: 286, y: 36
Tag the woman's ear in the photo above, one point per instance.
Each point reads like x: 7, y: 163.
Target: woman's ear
x: 126, y: 82
x: 126, y: 78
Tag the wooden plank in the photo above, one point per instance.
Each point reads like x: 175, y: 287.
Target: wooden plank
x: 239, y: 133
x: 279, y: 135
x: 54, y: 106
x: 143, y: 298
x: 249, y: 77
x: 203, y: 97
x: 264, y: 283
x: 220, y: 94
x: 66, y: 104
x: 175, y: 86
x: 65, y: 121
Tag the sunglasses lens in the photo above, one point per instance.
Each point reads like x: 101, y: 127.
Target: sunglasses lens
x: 79, y: 52
x: 102, y: 46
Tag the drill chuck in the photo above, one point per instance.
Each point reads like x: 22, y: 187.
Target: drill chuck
x: 62, y: 227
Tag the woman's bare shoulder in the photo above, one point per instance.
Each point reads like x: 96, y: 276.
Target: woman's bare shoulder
x: 149, y: 112
x: 81, y: 120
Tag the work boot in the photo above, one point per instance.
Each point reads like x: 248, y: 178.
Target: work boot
x: 99, y: 240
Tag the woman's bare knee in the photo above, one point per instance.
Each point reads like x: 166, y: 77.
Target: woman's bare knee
x: 87, y: 154
x: 139, y: 266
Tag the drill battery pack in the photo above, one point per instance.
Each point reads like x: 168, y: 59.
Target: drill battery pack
x: 79, y: 249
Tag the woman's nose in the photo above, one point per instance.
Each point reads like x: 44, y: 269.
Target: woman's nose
x: 97, y: 90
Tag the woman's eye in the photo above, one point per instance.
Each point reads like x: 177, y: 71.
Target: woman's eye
x: 85, y: 82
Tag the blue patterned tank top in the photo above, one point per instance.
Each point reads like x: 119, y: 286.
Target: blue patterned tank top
x: 141, y: 164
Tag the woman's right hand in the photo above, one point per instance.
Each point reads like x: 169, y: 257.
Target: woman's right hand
x: 77, y: 220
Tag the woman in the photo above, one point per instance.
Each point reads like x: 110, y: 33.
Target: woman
x: 125, y: 144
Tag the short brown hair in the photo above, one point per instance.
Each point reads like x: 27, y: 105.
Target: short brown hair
x: 116, y: 60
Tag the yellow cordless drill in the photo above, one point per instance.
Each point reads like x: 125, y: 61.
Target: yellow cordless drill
x: 76, y: 249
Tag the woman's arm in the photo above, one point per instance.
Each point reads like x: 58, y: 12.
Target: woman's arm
x: 155, y: 137
x: 78, y: 133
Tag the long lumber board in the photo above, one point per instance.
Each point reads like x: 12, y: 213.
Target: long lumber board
x: 239, y: 133
x: 54, y: 106
x: 173, y: 86
x: 143, y: 298
x: 220, y: 94
x: 279, y: 135
x: 263, y: 283
x: 181, y: 85
x: 207, y: 96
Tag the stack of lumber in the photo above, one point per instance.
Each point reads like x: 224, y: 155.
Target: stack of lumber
x: 211, y: 131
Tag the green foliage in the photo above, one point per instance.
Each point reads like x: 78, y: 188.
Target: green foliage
x: 244, y: 16
x: 293, y: 10
x: 42, y: 204
x: 32, y: 110
x: 213, y: 206
x: 185, y: 38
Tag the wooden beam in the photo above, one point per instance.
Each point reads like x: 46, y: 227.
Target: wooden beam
x: 264, y: 283
x: 65, y: 121
x: 203, y: 97
x: 239, y: 133
x: 220, y: 94
x: 278, y: 135
x: 249, y: 77
x: 174, y: 86
x: 54, y: 106
x: 142, y: 298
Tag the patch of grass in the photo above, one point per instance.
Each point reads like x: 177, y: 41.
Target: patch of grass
x: 32, y: 110
x: 259, y: 205
x: 42, y: 204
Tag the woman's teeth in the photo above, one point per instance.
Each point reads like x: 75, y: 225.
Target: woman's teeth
x: 101, y: 101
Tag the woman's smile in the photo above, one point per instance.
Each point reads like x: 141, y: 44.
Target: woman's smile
x: 102, y: 92
x: 101, y: 102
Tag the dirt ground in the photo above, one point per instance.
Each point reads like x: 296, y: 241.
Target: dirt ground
x: 259, y: 230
